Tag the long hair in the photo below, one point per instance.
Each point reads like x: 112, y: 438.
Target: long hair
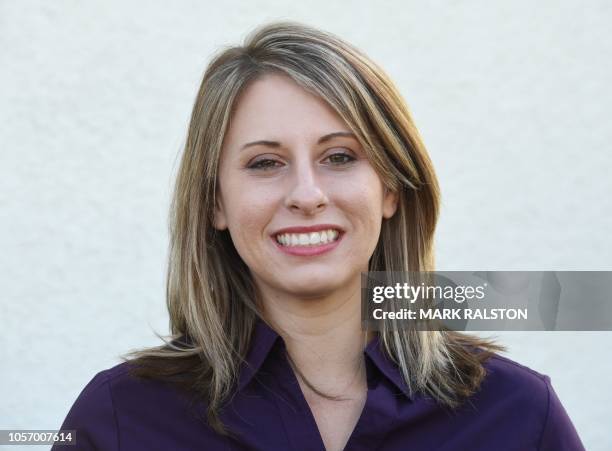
x: 211, y: 296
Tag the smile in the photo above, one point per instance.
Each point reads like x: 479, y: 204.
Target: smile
x: 307, y: 239
x: 308, y: 244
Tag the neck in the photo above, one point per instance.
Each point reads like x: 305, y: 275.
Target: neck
x: 323, y: 336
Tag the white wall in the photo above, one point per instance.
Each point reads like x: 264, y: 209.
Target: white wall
x: 511, y: 97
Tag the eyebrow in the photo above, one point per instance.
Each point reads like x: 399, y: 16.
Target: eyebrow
x: 322, y: 139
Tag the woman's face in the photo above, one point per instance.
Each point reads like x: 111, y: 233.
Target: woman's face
x: 301, y: 201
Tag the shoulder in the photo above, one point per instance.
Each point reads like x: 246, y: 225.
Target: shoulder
x: 518, y: 388
x: 508, y: 376
x: 114, y: 399
x: 529, y: 401
x: 93, y: 414
x: 508, y: 392
x: 119, y: 390
x: 101, y: 385
x: 102, y: 379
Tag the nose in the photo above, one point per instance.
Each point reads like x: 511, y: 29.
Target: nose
x: 306, y: 194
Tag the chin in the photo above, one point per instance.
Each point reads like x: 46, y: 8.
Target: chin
x: 310, y: 292
x: 312, y: 286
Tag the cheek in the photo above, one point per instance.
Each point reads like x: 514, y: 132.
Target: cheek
x: 362, y: 195
x: 249, y: 213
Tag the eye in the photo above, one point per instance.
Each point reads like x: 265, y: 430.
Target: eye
x: 263, y: 164
x: 341, y: 158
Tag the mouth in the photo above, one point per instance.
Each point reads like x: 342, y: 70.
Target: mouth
x: 309, y: 239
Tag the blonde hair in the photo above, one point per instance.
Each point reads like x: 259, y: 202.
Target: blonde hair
x: 210, y: 294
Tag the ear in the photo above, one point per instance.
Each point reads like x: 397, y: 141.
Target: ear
x: 220, y: 222
x: 390, y: 203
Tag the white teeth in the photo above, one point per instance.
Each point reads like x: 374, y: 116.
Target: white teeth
x: 307, y: 239
x: 315, y: 238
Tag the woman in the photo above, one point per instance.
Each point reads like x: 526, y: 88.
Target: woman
x: 303, y: 169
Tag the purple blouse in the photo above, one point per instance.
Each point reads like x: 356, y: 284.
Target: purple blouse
x: 515, y: 409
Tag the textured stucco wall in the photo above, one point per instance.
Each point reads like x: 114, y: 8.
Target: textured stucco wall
x: 512, y: 99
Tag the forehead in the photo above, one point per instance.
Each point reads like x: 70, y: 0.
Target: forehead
x: 274, y: 107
